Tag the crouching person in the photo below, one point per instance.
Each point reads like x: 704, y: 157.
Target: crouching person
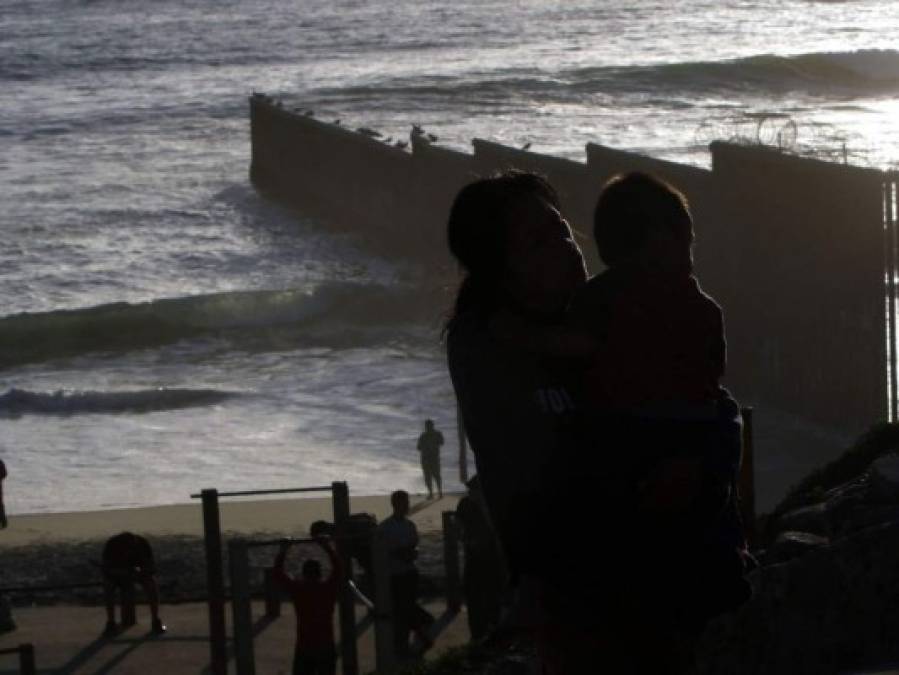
x: 128, y: 559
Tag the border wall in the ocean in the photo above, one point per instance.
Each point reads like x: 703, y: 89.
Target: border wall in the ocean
x: 798, y: 251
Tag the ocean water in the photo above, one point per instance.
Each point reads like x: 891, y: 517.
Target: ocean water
x: 163, y: 328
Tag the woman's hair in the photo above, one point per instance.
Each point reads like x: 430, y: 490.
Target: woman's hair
x: 478, y: 230
x: 630, y: 206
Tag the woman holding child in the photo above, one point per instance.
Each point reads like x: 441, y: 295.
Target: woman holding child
x: 594, y: 410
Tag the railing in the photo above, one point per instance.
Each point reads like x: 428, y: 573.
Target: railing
x: 26, y: 658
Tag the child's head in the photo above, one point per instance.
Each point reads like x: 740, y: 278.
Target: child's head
x: 639, y: 216
x: 399, y: 500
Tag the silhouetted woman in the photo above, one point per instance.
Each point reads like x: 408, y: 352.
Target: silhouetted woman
x: 521, y: 267
x: 519, y: 257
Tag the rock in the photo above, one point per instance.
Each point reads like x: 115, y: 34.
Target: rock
x: 789, y: 545
x: 814, y: 519
x: 833, y: 609
x: 884, y: 474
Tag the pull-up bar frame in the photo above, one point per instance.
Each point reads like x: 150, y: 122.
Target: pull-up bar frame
x: 276, y: 491
x: 215, y: 577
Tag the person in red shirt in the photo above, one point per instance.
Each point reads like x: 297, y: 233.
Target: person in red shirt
x: 313, y: 600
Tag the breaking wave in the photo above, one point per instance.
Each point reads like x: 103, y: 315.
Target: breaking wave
x: 17, y: 402
x: 332, y: 314
x: 864, y: 72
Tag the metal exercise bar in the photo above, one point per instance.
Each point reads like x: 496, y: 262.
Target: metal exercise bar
x: 276, y: 491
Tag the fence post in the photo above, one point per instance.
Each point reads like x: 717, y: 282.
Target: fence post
x: 242, y: 611
x: 27, y: 664
x: 746, y: 484
x: 385, y: 658
x: 215, y: 583
x: 272, y: 594
x: 129, y: 613
x: 340, y: 498
x: 451, y: 561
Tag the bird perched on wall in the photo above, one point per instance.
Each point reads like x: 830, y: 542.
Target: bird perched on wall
x: 526, y: 146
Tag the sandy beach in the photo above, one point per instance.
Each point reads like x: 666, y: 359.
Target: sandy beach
x: 59, y: 548
x: 239, y: 516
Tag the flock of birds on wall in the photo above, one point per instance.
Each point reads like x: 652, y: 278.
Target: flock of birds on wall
x: 769, y: 129
x: 418, y: 132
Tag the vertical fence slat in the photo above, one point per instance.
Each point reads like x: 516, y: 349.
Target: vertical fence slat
x: 272, y: 594
x: 892, y: 270
x: 27, y: 665
x: 746, y: 485
x: 215, y: 582
x: 451, y: 562
x: 242, y: 611
x: 385, y: 658
x: 340, y: 496
x: 463, y: 446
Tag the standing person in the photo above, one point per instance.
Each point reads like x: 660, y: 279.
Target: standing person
x: 3, y: 523
x: 313, y: 600
x: 128, y: 558
x: 401, y: 538
x: 483, y: 577
x: 519, y: 257
x: 429, y: 444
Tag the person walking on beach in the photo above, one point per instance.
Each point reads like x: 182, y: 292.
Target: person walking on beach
x: 128, y: 558
x: 3, y: 523
x: 429, y: 444
x: 401, y: 538
x: 313, y: 600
